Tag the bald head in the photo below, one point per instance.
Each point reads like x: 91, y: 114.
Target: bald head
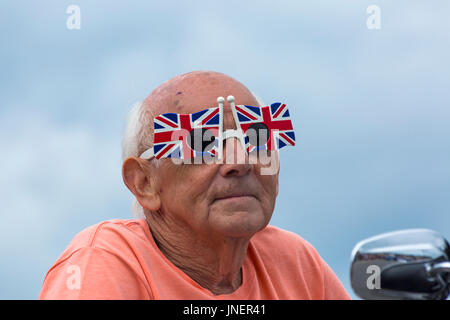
x: 192, y: 92
x: 196, y: 91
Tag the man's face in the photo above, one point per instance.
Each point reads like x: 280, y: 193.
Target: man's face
x: 230, y: 198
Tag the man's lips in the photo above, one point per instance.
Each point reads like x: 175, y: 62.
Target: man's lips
x: 235, y: 196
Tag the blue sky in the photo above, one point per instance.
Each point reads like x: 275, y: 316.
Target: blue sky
x: 371, y: 110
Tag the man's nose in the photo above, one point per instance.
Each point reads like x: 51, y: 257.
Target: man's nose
x: 235, y: 159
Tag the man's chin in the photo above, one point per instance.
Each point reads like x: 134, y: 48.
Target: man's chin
x: 239, y: 223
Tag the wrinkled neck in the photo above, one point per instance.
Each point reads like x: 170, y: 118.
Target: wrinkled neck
x: 215, y: 262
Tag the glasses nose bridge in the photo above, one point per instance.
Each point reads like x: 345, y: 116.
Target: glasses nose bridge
x: 234, y: 135
x: 236, y: 138
x: 231, y: 133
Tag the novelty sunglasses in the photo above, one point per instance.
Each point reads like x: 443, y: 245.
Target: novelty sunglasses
x: 199, y: 134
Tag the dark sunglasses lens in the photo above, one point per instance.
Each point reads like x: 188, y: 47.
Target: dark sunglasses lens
x: 258, y: 134
x: 201, y: 140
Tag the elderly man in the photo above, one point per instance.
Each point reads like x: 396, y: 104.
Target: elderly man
x: 205, y: 234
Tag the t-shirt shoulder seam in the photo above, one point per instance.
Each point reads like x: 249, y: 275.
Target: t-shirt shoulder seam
x: 94, y: 233
x: 93, y: 237
x: 58, y: 263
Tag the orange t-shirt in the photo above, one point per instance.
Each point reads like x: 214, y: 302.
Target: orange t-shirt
x: 118, y: 259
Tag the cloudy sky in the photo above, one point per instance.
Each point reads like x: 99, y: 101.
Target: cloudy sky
x: 371, y: 110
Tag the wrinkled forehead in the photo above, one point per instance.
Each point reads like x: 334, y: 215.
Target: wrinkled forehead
x: 194, y: 93
x: 194, y: 100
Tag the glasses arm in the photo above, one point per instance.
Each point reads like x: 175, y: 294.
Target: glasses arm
x: 147, y: 154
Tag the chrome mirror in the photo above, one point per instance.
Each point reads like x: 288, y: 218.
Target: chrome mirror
x: 406, y: 264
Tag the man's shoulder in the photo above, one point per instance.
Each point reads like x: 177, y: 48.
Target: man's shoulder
x: 283, y: 243
x: 285, y: 258
x: 107, y: 235
x: 92, y: 235
x: 100, y: 256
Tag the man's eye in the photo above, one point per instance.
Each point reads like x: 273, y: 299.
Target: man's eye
x: 201, y: 140
x: 258, y: 134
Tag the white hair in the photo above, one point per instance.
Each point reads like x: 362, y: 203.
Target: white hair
x: 137, y: 138
x: 136, y: 135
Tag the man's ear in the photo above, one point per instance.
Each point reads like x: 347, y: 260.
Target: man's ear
x: 136, y: 174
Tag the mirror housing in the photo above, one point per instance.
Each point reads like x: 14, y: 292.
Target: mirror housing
x: 406, y: 264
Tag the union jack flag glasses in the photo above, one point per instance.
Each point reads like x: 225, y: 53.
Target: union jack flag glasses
x: 201, y: 134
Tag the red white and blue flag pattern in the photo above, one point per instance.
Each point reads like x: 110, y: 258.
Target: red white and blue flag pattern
x: 171, y: 133
x: 277, y: 119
